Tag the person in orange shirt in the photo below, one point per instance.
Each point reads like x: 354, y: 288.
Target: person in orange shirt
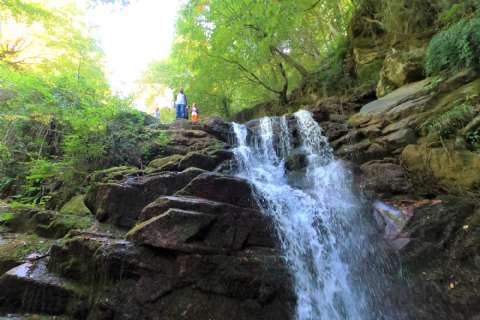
x: 194, y: 112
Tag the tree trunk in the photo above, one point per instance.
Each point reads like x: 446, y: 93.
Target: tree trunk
x: 290, y: 61
x: 283, y: 93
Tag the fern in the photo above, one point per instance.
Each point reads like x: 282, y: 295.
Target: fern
x: 456, y: 48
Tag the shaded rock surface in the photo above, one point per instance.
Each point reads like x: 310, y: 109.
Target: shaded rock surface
x: 442, y: 259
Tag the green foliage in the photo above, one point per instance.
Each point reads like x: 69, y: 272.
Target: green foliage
x: 231, y: 54
x: 447, y: 123
x: 59, y: 120
x: 333, y: 78
x: 6, y: 216
x: 456, y: 48
x: 458, y: 11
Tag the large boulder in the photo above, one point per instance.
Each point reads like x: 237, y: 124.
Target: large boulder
x: 399, y: 69
x: 397, y: 97
x: 453, y: 170
x: 216, y: 127
x: 121, y: 203
x: 442, y: 259
x: 30, y: 287
x: 222, y: 188
x: 386, y: 179
x: 129, y: 281
x: 198, y: 225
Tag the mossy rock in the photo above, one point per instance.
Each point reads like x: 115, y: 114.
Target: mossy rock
x: 76, y: 206
x: 45, y: 223
x: 160, y: 162
x: 113, y: 174
x: 62, y: 224
x: 455, y: 170
x: 359, y: 118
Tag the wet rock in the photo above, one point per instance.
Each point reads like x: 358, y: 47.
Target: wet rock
x: 371, y: 131
x: 206, y: 161
x: 120, y: 204
x: 31, y: 288
x: 296, y: 161
x: 18, y: 248
x: 334, y: 130
x: 386, y: 179
x: 221, y: 188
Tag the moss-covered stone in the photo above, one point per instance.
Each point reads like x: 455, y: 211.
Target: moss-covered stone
x: 455, y: 170
x: 113, y: 174
x: 160, y: 162
x: 46, y: 223
x: 76, y: 206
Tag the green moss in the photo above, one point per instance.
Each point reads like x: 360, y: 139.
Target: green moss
x: 369, y: 74
x: 160, y: 162
x: 112, y: 174
x: 76, y: 206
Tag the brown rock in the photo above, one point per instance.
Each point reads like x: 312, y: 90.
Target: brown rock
x: 120, y: 204
x: 386, y: 178
x: 221, y: 188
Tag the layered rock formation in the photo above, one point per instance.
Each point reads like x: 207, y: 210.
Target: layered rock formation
x: 173, y: 241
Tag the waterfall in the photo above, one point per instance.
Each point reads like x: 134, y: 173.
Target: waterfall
x: 321, y: 223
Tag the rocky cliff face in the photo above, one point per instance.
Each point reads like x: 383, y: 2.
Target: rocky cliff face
x: 176, y: 240
x: 412, y: 150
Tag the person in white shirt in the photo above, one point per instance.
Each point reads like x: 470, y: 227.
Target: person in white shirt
x: 156, y: 114
x: 181, y: 105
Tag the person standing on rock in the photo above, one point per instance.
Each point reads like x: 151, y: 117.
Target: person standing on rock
x: 156, y: 114
x: 194, y: 112
x: 181, y: 105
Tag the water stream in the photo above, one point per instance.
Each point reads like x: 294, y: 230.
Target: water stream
x: 328, y: 243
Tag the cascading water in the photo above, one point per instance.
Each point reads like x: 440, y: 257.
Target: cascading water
x: 324, y: 236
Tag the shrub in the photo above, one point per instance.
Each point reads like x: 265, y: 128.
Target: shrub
x: 447, y: 123
x: 456, y: 48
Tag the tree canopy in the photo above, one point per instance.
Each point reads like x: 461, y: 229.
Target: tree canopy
x: 229, y: 54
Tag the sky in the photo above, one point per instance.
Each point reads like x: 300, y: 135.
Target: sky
x: 132, y: 37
